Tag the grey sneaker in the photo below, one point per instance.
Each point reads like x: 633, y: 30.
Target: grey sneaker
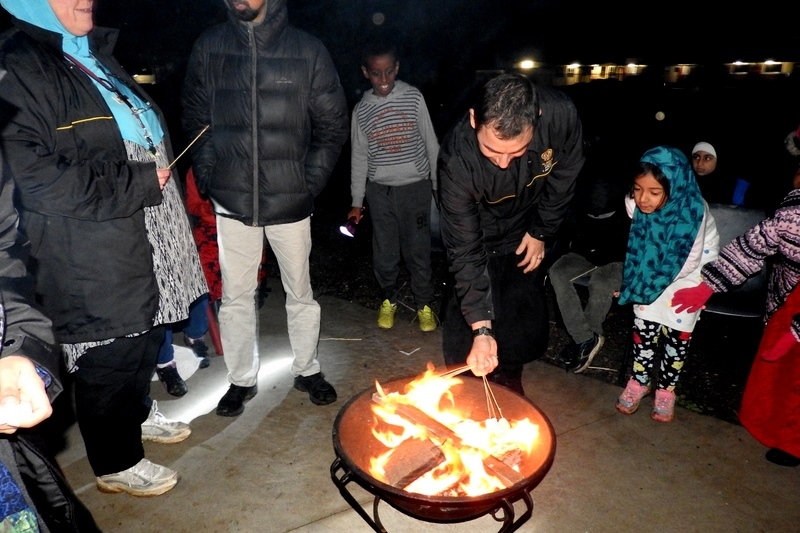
x: 586, y: 352
x: 158, y: 428
x: 142, y: 479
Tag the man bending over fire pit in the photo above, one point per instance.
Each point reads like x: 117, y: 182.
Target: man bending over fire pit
x: 507, y: 173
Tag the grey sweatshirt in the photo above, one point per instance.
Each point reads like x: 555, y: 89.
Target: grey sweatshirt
x: 393, y: 141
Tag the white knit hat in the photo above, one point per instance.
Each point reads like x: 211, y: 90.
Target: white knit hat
x: 704, y: 147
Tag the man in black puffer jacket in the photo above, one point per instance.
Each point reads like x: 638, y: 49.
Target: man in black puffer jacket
x: 277, y: 118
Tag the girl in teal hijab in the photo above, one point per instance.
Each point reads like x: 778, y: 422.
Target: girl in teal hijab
x: 659, y: 242
x: 147, y: 132
x: 672, y: 236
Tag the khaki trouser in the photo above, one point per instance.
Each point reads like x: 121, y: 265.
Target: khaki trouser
x: 240, y: 250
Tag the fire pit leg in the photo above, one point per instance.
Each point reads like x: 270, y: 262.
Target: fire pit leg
x: 507, y: 506
x: 341, y: 483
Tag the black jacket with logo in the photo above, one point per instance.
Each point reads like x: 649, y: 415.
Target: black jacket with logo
x: 487, y: 210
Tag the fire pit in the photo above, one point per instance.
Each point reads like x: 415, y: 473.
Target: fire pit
x: 356, y: 448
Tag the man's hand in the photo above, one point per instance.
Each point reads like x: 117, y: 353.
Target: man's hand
x: 532, y: 252
x: 23, y: 399
x: 482, y: 358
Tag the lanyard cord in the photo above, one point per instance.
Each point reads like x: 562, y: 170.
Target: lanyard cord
x: 107, y: 85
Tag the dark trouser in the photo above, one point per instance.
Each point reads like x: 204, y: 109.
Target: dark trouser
x: 195, y: 327
x: 520, y: 324
x: 112, y: 387
x: 582, y: 322
x: 401, y: 229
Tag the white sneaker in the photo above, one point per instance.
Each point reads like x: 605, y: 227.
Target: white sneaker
x: 142, y: 479
x: 158, y: 428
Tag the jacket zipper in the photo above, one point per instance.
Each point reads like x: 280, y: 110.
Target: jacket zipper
x: 254, y: 117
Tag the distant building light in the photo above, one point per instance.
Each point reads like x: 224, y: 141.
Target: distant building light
x: 574, y: 65
x: 527, y: 64
x: 144, y: 79
x: 632, y: 65
x: 738, y: 63
x: 770, y: 62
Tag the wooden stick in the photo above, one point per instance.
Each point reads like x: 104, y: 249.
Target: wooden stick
x: 187, y: 148
x: 454, y: 372
x: 505, y: 473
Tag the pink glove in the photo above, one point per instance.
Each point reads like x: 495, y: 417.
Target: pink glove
x: 784, y: 345
x: 691, y: 299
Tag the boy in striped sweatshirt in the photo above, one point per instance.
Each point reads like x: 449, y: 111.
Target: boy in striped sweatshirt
x: 393, y: 167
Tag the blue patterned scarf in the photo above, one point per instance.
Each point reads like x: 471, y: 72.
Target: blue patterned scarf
x: 660, y: 242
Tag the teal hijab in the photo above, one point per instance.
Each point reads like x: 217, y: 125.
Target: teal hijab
x: 660, y: 242
x: 40, y: 14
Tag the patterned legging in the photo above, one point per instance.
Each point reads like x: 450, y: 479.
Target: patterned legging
x: 647, y: 336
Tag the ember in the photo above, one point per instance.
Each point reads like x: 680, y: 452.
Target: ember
x: 436, y: 447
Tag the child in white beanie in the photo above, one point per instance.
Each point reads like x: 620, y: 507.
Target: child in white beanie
x: 716, y: 187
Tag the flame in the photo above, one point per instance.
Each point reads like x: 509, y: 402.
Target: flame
x: 462, y: 472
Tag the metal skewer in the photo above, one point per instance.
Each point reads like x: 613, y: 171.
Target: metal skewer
x: 492, y: 406
x: 187, y: 148
x: 454, y: 372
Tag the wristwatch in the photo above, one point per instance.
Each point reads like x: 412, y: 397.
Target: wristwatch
x: 483, y: 330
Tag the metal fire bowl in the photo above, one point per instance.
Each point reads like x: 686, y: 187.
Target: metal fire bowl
x: 355, y: 445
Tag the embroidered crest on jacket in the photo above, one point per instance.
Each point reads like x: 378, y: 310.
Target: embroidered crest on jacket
x: 547, y: 159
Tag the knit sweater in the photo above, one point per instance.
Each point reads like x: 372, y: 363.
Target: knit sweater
x: 393, y: 141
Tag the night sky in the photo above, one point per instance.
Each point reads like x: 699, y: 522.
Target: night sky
x: 444, y: 38
x: 444, y: 42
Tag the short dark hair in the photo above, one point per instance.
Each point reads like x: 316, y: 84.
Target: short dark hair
x: 509, y: 103
x: 376, y: 48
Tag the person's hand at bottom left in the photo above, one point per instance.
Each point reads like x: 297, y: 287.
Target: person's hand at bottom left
x: 23, y: 398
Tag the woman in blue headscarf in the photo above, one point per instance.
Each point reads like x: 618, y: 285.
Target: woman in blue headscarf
x: 672, y: 236
x: 111, y: 246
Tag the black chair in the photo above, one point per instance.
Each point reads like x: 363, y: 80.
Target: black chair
x: 748, y: 300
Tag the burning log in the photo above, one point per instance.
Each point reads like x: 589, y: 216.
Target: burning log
x: 505, y: 473
x: 411, y: 459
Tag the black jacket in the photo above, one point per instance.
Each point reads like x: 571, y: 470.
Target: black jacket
x: 602, y: 240
x: 485, y: 210
x: 277, y: 114
x: 81, y: 200
x: 26, y: 332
